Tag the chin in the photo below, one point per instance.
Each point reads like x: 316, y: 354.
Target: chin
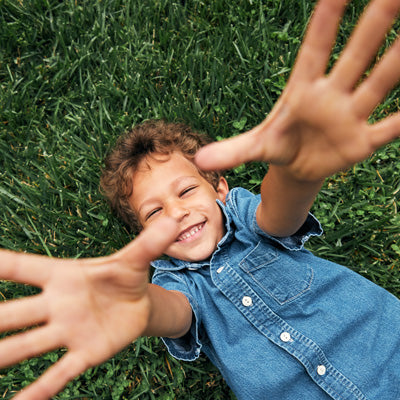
x: 192, y: 256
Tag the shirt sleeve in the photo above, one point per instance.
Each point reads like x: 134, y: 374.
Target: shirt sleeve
x: 243, y: 205
x: 188, y: 347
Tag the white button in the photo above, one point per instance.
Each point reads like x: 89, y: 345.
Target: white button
x: 246, y: 301
x: 219, y: 270
x: 321, y: 370
x: 285, y: 337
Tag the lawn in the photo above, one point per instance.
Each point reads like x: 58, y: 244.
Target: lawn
x: 75, y: 74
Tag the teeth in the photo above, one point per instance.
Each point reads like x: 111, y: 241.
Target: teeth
x: 190, y: 233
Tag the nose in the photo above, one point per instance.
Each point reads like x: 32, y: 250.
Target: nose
x: 177, y: 211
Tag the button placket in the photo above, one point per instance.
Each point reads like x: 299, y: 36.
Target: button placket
x: 299, y: 346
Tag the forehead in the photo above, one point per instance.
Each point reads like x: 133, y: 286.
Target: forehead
x: 164, y: 164
x: 159, y: 172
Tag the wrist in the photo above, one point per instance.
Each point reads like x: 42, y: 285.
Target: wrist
x: 288, y: 177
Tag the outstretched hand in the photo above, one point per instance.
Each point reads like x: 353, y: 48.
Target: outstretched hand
x: 93, y: 307
x: 320, y: 126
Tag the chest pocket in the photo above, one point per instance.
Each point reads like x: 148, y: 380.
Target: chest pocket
x: 280, y: 274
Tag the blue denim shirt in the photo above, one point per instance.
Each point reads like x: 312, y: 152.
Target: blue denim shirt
x: 280, y: 323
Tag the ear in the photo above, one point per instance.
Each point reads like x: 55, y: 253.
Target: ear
x: 222, y: 189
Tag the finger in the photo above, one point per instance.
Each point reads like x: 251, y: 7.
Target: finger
x: 22, y: 313
x: 385, y: 131
x: 25, y: 268
x: 381, y: 80
x: 22, y: 346
x: 230, y: 152
x: 151, y: 243
x: 364, y: 43
x: 55, y: 378
x: 320, y: 37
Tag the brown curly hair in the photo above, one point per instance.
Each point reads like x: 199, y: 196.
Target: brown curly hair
x: 153, y: 136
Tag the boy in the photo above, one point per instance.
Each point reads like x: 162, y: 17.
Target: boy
x: 252, y: 295
x: 278, y: 322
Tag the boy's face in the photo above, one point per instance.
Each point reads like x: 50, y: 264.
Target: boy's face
x: 171, y: 185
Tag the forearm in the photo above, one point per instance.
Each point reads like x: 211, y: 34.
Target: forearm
x: 170, y: 313
x: 285, y: 202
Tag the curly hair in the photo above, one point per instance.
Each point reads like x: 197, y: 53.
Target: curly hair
x: 153, y: 136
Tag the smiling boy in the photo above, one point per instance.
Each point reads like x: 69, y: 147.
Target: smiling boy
x: 172, y: 185
x: 278, y: 322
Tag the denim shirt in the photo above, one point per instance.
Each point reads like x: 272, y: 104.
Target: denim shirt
x: 280, y: 323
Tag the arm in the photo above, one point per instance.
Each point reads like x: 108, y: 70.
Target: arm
x: 171, y: 313
x: 285, y: 202
x: 319, y: 126
x: 94, y: 307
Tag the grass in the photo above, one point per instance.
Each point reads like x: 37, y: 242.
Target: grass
x: 75, y: 74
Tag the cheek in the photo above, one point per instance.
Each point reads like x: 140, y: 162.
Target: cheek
x: 215, y: 214
x: 210, y: 207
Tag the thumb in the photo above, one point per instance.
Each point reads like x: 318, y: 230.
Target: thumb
x: 151, y: 243
x: 230, y: 152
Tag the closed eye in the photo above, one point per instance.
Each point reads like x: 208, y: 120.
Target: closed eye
x: 187, y: 190
x: 151, y: 213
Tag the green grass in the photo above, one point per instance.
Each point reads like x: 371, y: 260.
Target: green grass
x: 75, y: 74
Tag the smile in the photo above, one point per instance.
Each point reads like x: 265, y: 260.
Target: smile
x: 190, y: 232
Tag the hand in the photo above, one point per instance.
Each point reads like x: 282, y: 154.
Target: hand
x: 319, y: 125
x: 94, y: 307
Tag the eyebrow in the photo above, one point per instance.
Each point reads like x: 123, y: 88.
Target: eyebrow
x: 175, y: 183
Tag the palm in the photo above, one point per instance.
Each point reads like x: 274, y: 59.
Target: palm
x: 116, y: 302
x: 319, y: 125
x: 314, y: 139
